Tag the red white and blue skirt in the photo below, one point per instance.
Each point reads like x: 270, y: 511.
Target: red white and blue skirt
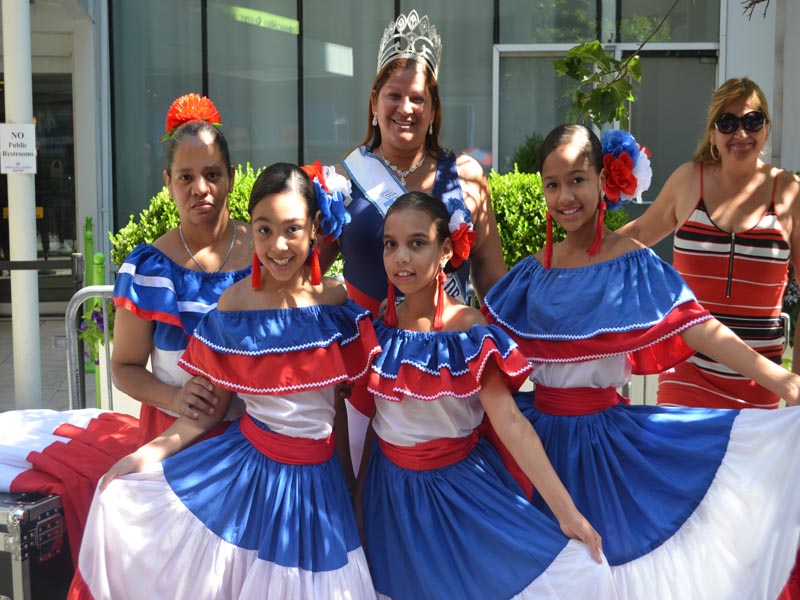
x: 691, y: 503
x: 242, y: 526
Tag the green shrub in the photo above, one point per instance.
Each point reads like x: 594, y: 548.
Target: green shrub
x: 161, y: 215
x: 519, y: 206
x: 526, y: 155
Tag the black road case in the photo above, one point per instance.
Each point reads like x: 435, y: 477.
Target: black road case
x: 34, y: 556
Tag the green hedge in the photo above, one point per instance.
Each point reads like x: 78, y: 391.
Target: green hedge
x: 518, y: 202
x: 161, y: 215
x: 517, y: 199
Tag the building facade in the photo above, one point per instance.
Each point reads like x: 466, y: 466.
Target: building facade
x: 291, y: 79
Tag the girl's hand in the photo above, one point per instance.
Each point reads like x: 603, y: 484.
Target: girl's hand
x: 197, y: 394
x: 578, y: 528
x: 133, y: 463
x: 792, y: 395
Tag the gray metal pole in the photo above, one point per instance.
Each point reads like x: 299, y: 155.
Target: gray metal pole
x: 22, y: 210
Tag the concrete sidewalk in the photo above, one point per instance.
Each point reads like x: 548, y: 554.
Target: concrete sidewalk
x: 55, y: 384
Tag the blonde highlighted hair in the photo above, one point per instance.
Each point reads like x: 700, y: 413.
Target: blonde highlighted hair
x: 730, y: 91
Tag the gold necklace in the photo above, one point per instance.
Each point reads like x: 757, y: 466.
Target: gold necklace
x: 401, y: 175
x: 224, y: 260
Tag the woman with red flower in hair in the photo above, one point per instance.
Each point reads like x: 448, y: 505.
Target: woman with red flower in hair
x: 161, y: 292
x: 164, y: 288
x: 672, y: 491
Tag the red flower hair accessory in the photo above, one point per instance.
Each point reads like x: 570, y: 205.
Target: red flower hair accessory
x: 333, y: 195
x: 191, y: 107
x: 627, y: 166
x: 619, y: 176
x: 462, y: 235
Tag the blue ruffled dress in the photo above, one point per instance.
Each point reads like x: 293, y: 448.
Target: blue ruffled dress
x: 155, y: 288
x: 443, y: 517
x: 263, y: 510
x: 691, y: 503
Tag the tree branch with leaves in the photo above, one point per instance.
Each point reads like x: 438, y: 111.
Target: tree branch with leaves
x: 603, y: 86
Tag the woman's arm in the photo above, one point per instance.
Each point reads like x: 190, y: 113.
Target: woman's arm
x: 714, y: 339
x: 133, y: 338
x: 487, y: 263
x: 340, y: 427
x: 180, y: 434
x: 669, y: 210
x: 787, y: 205
x: 328, y: 252
x: 521, y: 440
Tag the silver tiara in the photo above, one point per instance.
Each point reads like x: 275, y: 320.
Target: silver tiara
x: 411, y: 37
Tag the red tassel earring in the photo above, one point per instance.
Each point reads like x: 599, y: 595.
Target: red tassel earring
x: 255, y: 276
x: 548, y: 243
x: 390, y: 314
x: 597, y: 242
x: 313, y: 263
x: 437, y: 315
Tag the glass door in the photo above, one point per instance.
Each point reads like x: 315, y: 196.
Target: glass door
x: 55, y: 186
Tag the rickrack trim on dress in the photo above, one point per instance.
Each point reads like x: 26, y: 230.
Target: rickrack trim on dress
x: 596, y: 332
x: 286, y: 388
x: 677, y: 330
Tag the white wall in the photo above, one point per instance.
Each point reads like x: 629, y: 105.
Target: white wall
x: 790, y: 146
x: 764, y: 49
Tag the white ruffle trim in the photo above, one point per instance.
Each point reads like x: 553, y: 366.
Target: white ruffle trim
x: 741, y: 541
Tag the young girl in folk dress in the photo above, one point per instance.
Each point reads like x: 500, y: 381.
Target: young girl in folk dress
x: 262, y: 511
x: 442, y: 516
x: 691, y: 503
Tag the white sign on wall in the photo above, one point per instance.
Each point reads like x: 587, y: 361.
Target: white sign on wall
x: 17, y: 148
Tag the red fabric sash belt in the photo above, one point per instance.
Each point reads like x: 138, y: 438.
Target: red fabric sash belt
x: 286, y: 449
x: 434, y: 454
x: 571, y: 402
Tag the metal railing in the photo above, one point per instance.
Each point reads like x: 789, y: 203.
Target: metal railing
x: 72, y: 318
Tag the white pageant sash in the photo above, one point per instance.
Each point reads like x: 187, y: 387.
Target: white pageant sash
x: 379, y: 186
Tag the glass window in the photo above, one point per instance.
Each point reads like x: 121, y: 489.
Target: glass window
x: 669, y: 121
x: 252, y: 77
x: 696, y: 21
x: 465, y: 75
x: 567, y: 21
x: 531, y: 101
x: 156, y: 58
x: 340, y: 56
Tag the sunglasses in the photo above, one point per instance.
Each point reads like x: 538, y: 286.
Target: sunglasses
x: 728, y: 123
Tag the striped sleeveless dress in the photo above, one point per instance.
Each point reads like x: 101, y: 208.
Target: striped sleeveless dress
x: 740, y: 278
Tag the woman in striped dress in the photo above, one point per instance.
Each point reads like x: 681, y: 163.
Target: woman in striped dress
x: 736, y: 221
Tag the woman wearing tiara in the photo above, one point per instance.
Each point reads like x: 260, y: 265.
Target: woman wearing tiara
x: 262, y: 510
x: 161, y: 292
x: 401, y: 152
x: 691, y: 503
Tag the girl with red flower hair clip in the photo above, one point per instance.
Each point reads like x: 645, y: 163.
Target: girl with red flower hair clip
x: 263, y: 510
x: 673, y: 491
